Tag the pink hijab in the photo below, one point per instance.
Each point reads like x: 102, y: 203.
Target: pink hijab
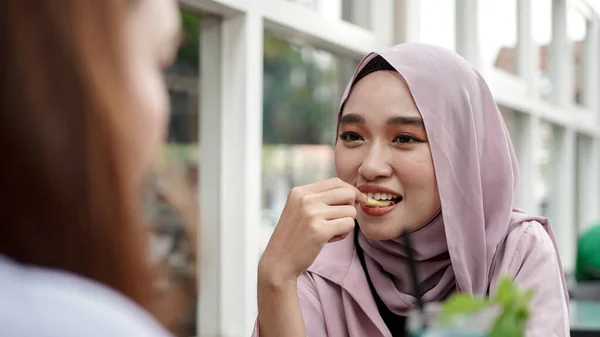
x: 477, y: 177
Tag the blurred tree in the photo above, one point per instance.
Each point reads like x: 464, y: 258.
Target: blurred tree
x: 189, y: 53
x: 298, y: 95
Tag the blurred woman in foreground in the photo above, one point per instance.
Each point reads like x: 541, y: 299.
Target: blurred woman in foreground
x: 83, y: 111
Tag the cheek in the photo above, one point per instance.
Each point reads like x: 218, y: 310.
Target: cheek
x: 150, y: 100
x: 150, y: 109
x: 346, y: 165
x: 418, y: 179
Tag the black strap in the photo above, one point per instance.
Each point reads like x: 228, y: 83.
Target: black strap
x: 395, y: 323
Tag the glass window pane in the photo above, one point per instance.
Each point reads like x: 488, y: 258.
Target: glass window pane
x: 182, y: 81
x: 544, y: 166
x: 357, y: 12
x: 172, y: 242
x: 353, y: 11
x: 498, y: 45
x: 542, y: 35
x: 584, y: 216
x: 438, y: 23
x: 580, y: 157
x: 302, y: 89
x: 577, y: 32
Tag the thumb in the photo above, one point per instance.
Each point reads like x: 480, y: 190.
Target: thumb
x: 360, y: 197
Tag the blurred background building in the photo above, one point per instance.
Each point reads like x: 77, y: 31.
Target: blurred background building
x: 257, y: 83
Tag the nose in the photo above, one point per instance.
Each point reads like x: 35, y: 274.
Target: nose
x: 376, y: 164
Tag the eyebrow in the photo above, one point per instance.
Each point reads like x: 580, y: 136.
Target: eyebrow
x: 353, y: 118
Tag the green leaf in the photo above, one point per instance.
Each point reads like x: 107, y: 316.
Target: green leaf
x: 507, y: 326
x: 464, y: 303
x: 513, y: 304
x: 459, y: 305
x: 515, y: 309
x: 506, y: 292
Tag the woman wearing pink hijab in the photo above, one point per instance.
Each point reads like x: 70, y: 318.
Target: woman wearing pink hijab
x: 419, y: 130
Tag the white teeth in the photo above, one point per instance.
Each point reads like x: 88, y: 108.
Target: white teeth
x: 381, y: 196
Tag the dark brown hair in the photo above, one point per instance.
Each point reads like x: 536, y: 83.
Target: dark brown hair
x: 66, y: 201
x: 377, y: 63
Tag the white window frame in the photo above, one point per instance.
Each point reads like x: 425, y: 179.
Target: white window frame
x: 519, y: 92
x: 231, y: 123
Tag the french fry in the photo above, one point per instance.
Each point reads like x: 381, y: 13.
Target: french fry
x: 377, y: 203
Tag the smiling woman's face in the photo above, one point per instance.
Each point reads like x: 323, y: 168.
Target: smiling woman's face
x: 382, y: 148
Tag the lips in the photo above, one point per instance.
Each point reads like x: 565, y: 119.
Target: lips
x: 372, y: 188
x: 377, y: 211
x: 380, y: 200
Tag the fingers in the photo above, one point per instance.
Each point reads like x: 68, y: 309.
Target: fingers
x: 360, y: 197
x: 336, y: 212
x: 346, y: 195
x: 339, y: 196
x: 332, y: 191
x: 338, y: 238
x: 339, y: 227
x: 328, y: 184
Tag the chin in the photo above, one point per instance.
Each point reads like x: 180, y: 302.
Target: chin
x: 376, y: 230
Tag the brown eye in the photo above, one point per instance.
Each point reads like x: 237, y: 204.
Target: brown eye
x: 350, y: 137
x: 405, y: 139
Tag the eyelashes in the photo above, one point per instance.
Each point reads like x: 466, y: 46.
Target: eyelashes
x: 351, y: 137
x: 405, y: 139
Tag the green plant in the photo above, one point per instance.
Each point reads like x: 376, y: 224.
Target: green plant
x: 511, y: 303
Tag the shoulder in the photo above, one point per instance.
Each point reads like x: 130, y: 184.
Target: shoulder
x: 528, y: 252
x: 534, y: 262
x: 530, y: 240
x: 36, y: 301
x: 531, y: 258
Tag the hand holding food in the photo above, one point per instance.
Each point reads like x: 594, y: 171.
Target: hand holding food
x: 314, y: 215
